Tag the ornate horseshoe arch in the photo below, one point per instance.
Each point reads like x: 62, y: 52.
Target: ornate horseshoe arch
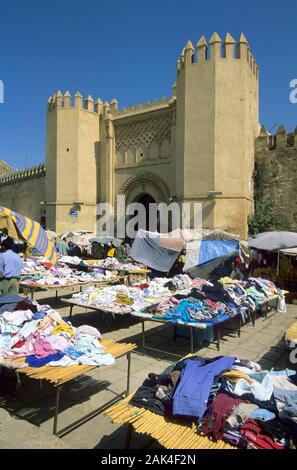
x: 148, y: 183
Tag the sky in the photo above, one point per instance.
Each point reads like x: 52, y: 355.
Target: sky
x: 127, y: 49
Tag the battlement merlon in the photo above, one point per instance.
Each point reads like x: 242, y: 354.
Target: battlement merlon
x: 280, y: 140
x: 25, y: 174
x: 216, y: 50
x: 60, y: 101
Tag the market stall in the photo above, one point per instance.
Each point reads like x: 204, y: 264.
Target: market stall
x: 36, y: 342
x: 215, y: 403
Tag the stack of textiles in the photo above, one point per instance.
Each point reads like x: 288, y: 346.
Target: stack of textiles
x: 214, y: 302
x: 123, y: 299
x: 60, y: 275
x: 114, y: 263
x: 75, y: 260
x: 226, y: 398
x: 37, y: 335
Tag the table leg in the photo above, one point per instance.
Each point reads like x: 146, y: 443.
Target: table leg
x: 219, y: 338
x: 254, y: 313
x: 239, y: 327
x: 56, y: 295
x: 128, y: 373
x: 70, y: 313
x: 142, y: 337
x: 174, y: 332
x: 266, y: 311
x: 192, y: 340
x: 32, y: 294
x: 128, y: 436
x: 58, y: 392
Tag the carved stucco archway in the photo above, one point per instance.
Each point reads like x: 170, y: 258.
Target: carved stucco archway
x: 145, y: 183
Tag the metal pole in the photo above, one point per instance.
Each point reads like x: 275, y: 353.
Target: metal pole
x: 143, y: 339
x: 59, y: 388
x: 128, y: 373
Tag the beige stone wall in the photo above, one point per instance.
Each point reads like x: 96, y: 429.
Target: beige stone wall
x: 144, y: 144
x: 217, y: 123
x: 71, y: 157
x: 24, y: 197
x: 276, y: 173
x: 5, y: 169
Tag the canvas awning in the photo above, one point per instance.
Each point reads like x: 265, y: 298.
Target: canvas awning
x: 20, y: 227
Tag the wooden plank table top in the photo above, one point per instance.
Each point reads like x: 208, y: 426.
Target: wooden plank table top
x: 58, y: 375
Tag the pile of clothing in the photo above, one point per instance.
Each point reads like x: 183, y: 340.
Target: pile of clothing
x: 46, y: 274
x: 114, y: 263
x: 75, y: 260
x: 124, y: 299
x: 39, y: 336
x: 213, y: 302
x: 227, y: 398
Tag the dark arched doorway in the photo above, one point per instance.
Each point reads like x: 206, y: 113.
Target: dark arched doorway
x: 147, y: 224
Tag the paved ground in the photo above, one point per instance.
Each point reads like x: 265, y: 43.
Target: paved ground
x: 30, y: 408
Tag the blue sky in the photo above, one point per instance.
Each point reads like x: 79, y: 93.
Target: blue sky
x: 127, y: 49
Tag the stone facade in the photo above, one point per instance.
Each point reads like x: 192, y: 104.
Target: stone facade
x: 24, y: 192
x: 276, y: 172
x: 199, y: 142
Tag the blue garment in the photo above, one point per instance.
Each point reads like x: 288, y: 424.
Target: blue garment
x: 34, y: 361
x: 73, y: 352
x: 285, y: 372
x: 262, y: 415
x: 192, y: 393
x: 38, y: 315
x: 10, y: 264
x: 286, y: 396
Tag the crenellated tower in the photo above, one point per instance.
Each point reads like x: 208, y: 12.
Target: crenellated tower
x: 217, y: 123
x: 71, y: 160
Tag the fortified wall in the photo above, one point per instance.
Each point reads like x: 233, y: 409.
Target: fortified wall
x: 24, y: 192
x: 276, y: 172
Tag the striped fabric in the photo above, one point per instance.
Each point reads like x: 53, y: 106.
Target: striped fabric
x: 33, y: 233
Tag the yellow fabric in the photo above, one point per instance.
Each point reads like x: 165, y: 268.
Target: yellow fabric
x: 63, y: 327
x: 234, y: 375
x: 30, y: 231
x: 111, y: 252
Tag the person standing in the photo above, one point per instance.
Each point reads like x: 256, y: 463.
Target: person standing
x: 10, y: 269
x: 62, y: 246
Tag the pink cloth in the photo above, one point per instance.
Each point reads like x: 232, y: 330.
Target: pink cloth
x: 42, y: 348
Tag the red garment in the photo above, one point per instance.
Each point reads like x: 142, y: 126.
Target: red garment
x: 219, y: 411
x: 145, y: 285
x: 47, y: 265
x: 255, y: 434
x: 19, y: 344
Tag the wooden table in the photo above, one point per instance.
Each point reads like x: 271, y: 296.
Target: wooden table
x: 32, y: 288
x: 143, y: 317
x: 58, y: 376
x: 75, y: 303
x: 170, y: 433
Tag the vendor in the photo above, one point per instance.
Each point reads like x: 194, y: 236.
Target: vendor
x: 62, y: 246
x: 111, y: 251
x: 237, y: 270
x: 10, y: 269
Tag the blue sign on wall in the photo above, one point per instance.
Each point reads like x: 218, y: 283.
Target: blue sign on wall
x: 73, y: 213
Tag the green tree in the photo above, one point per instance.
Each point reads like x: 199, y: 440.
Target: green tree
x: 266, y: 218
